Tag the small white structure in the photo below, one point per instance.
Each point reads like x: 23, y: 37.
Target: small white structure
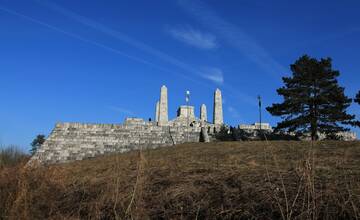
x: 256, y: 126
x: 186, y: 111
x: 346, y: 135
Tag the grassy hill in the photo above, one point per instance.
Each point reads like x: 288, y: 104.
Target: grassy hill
x: 227, y: 180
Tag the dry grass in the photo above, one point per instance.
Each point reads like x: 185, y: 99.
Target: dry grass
x: 11, y: 156
x: 229, y: 180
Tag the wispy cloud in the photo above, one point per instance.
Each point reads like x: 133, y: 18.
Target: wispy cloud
x: 137, y: 44
x: 234, y: 36
x: 142, y: 46
x: 119, y: 35
x: 192, y: 72
x: 121, y: 110
x: 194, y: 37
x: 249, y: 99
x: 213, y: 74
x: 233, y: 112
x: 73, y: 35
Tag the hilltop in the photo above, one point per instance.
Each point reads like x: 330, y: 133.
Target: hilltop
x: 280, y: 179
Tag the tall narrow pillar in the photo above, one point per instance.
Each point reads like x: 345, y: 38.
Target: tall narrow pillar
x: 157, y: 111
x: 163, y: 106
x: 218, y: 111
x: 203, y: 113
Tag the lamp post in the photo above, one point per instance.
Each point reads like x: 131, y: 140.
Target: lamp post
x: 259, y: 99
x: 187, y: 99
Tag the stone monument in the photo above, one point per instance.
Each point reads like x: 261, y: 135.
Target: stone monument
x: 203, y: 113
x: 163, y: 106
x: 77, y: 141
x: 218, y: 111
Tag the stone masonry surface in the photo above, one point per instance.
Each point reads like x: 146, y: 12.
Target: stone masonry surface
x: 77, y: 141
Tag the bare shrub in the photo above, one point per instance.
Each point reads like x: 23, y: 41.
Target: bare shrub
x: 11, y: 155
x: 309, y: 192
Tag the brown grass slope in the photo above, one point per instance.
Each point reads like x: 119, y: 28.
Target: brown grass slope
x: 229, y: 180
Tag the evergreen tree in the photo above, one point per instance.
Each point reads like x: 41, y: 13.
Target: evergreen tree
x: 357, y: 98
x: 241, y: 135
x: 37, y: 142
x: 224, y: 134
x: 313, y: 100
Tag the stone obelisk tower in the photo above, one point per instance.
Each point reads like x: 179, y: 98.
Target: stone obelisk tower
x: 157, y: 111
x: 163, y: 106
x: 218, y: 111
x: 203, y: 113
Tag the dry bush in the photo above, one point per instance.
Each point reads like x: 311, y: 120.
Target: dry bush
x: 11, y: 156
x: 8, y: 189
x: 312, y: 190
x: 247, y: 180
x: 11, y: 160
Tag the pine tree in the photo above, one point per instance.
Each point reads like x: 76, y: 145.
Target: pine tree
x: 357, y: 100
x: 37, y: 142
x: 313, y: 100
x: 224, y: 134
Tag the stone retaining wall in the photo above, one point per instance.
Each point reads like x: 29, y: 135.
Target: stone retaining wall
x: 77, y: 141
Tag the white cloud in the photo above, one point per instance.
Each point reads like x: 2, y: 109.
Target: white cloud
x: 189, y: 70
x: 194, y: 38
x: 233, y: 112
x: 234, y: 35
x: 213, y: 74
x: 122, y: 37
x: 121, y: 110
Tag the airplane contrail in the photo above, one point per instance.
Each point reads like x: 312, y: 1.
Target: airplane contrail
x: 120, y: 36
x: 52, y: 27
x: 165, y: 57
x: 140, y: 45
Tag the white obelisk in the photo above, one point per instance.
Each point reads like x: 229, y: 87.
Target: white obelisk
x: 163, y: 106
x: 218, y: 111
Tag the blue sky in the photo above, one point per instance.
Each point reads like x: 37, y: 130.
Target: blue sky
x: 100, y: 61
